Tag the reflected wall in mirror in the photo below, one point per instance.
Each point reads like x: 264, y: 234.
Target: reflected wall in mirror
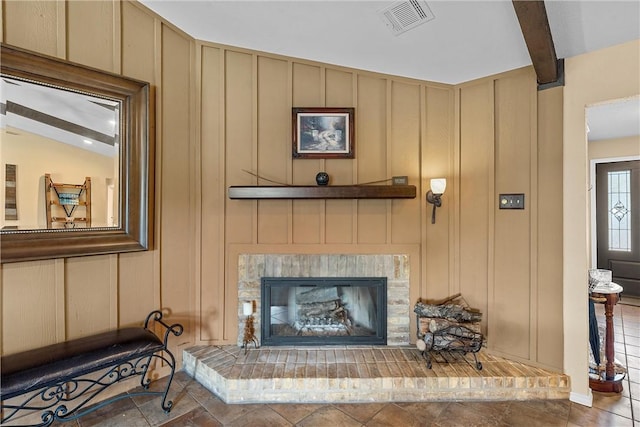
x: 70, y: 136
x: 77, y: 153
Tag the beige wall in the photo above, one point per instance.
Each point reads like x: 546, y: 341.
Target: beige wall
x: 599, y: 76
x: 34, y: 156
x: 510, y: 260
x: 614, y: 148
x: 221, y: 110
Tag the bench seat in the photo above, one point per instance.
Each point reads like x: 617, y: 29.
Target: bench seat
x: 34, y: 369
x: 57, y: 382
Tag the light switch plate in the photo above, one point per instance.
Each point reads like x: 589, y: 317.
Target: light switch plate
x: 511, y: 201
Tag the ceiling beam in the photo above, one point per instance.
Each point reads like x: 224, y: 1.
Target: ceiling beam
x: 532, y: 16
x: 47, y: 119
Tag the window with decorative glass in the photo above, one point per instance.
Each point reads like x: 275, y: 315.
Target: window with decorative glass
x: 619, y: 208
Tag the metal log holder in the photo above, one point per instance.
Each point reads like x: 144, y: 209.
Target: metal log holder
x: 447, y: 338
x: 59, y: 381
x: 449, y: 344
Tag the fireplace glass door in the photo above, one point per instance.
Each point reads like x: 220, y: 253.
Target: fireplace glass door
x: 321, y: 311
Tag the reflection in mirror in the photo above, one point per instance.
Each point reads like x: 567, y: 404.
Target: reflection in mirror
x: 72, y: 139
x: 76, y: 152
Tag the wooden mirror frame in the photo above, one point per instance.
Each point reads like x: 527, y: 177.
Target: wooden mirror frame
x: 135, y: 229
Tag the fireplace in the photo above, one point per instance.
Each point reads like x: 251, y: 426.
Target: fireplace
x: 252, y: 268
x: 324, y: 310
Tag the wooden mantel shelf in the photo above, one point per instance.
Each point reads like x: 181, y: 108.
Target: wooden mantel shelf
x: 323, y: 192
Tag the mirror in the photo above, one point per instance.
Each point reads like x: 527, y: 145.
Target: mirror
x: 76, y: 150
x: 74, y: 138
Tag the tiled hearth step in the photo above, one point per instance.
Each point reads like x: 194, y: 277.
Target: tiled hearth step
x: 362, y: 374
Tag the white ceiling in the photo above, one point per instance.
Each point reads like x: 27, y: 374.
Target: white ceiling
x: 54, y: 112
x: 617, y: 119
x: 466, y: 39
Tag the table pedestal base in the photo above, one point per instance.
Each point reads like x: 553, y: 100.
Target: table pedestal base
x: 608, y: 381
x: 607, y: 386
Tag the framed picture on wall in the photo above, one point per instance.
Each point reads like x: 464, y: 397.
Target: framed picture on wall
x: 323, y: 133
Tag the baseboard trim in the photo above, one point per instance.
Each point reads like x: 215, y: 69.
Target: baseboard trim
x: 628, y: 300
x: 582, y: 399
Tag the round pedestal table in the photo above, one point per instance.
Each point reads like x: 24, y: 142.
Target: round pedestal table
x: 608, y: 380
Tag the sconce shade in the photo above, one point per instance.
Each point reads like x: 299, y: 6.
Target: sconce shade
x: 247, y: 308
x: 438, y: 185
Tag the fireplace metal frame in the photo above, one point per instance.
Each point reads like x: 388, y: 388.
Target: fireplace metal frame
x: 266, y: 283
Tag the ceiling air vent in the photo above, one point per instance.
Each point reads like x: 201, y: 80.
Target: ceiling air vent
x: 404, y: 15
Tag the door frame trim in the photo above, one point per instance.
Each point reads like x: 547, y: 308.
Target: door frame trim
x: 592, y: 195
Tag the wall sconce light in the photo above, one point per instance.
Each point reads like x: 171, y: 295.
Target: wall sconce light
x: 438, y: 186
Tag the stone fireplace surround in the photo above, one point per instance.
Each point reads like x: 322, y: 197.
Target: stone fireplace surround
x: 395, y: 267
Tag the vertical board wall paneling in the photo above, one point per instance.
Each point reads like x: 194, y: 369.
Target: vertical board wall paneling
x: 92, y: 37
x: 476, y: 192
x: 177, y: 239
x: 29, y: 304
x: 32, y: 25
x: 548, y: 332
x: 138, y: 46
x: 211, y: 309
x: 91, y: 40
x: 307, y: 85
x: 274, y: 145
x: 137, y: 272
x: 436, y: 163
x: 404, y: 159
x: 339, y: 213
x: 308, y: 91
x: 371, y: 155
x: 238, y: 76
x: 30, y: 297
x: 89, y: 283
x: 510, y: 310
x: 238, y: 103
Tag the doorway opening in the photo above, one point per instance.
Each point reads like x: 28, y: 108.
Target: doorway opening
x: 615, y: 219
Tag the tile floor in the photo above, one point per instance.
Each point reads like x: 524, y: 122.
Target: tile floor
x: 196, y: 406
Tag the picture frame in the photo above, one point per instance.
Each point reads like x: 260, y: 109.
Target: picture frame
x: 323, y: 133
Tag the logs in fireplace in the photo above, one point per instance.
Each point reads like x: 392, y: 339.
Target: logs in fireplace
x: 322, y: 312
x: 319, y: 311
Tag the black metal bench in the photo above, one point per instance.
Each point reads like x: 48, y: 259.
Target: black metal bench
x: 58, y: 381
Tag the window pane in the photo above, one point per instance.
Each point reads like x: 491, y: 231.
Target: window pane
x: 619, y: 207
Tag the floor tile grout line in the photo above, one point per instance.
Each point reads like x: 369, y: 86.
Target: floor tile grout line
x: 626, y: 364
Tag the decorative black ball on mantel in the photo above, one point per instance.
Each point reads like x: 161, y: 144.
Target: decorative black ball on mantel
x: 322, y: 178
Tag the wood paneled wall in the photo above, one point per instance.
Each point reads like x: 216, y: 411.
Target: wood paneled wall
x: 511, y: 260
x: 245, y: 101
x: 48, y: 301
x: 222, y: 111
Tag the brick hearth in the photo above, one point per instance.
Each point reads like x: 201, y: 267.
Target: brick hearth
x: 362, y: 374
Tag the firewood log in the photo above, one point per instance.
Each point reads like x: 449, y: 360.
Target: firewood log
x: 449, y: 311
x: 316, y: 309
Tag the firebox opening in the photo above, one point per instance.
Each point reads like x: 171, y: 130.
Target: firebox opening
x: 322, y: 311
